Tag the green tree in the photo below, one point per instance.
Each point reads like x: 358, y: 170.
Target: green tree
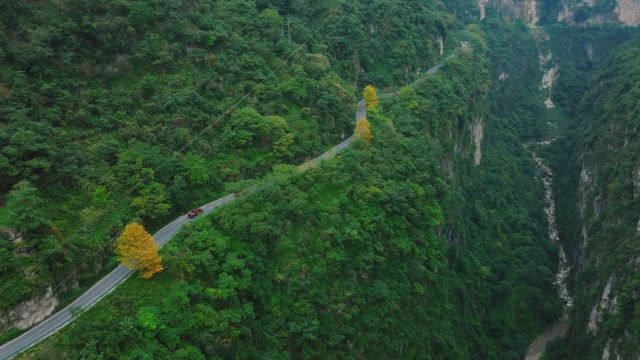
x: 189, y: 353
x: 151, y: 202
x: 198, y: 171
x: 24, y: 208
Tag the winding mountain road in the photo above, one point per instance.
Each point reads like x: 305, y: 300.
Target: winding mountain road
x: 111, y: 281
x: 98, y: 291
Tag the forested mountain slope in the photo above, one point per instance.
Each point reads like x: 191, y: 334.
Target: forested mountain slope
x: 428, y: 242
x: 601, y: 222
x: 374, y: 254
x: 572, y: 12
x: 120, y: 111
x: 594, y: 154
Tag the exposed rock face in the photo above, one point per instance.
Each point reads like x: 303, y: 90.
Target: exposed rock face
x: 550, y: 76
x: 31, y: 312
x: 482, y: 5
x: 606, y: 303
x: 574, y: 11
x: 530, y: 12
x: 588, y: 47
x: 628, y: 12
x: 12, y: 234
x: 585, y: 185
x: 477, y: 130
x: 527, y: 10
x: 585, y: 188
x: 447, y: 167
x: 571, y: 11
x: 606, y: 353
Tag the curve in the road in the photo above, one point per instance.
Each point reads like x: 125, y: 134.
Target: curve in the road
x: 108, y: 283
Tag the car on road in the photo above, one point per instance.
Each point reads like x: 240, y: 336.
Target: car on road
x: 195, y: 212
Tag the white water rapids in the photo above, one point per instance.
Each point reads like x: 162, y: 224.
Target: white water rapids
x: 550, y: 211
x: 536, y: 349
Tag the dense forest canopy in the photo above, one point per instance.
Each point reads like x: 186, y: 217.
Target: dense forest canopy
x: 372, y: 254
x: 427, y: 237
x: 114, y: 111
x: 603, y: 178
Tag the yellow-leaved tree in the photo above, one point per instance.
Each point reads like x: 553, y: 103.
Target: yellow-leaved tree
x: 363, y: 130
x: 137, y: 250
x: 370, y: 97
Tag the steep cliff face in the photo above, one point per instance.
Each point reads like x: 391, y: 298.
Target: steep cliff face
x: 30, y: 312
x: 602, y: 213
x: 527, y: 10
x: 590, y: 12
x: 577, y: 12
x: 628, y: 12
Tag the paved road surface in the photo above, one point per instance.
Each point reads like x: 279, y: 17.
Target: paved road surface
x: 431, y: 71
x: 435, y: 69
x: 361, y: 113
x: 98, y: 291
x: 108, y: 283
x: 105, y: 285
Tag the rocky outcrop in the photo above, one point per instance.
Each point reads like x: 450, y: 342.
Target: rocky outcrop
x: 606, y: 352
x: 482, y: 4
x: 579, y: 12
x: 549, y: 78
x: 588, y: 47
x: 30, y: 312
x: 585, y: 188
x: 526, y: 10
x: 13, y: 235
x: 607, y: 303
x: 628, y: 12
x: 447, y: 167
x: 477, y: 132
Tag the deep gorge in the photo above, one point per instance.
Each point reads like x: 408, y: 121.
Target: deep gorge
x: 495, y: 212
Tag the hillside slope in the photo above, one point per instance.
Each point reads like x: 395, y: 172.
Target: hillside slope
x: 121, y: 111
x: 573, y: 12
x: 601, y: 195
x: 374, y: 254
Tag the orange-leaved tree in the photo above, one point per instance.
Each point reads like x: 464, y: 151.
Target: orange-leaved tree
x: 137, y: 250
x: 363, y: 130
x: 370, y: 97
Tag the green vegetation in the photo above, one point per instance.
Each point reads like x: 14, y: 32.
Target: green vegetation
x: 384, y: 252
x: 426, y: 238
x: 600, y: 171
x: 125, y: 111
x: 577, y: 52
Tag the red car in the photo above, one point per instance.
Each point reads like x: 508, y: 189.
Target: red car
x: 194, y: 213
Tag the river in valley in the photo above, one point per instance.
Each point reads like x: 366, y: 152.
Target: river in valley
x: 536, y: 349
